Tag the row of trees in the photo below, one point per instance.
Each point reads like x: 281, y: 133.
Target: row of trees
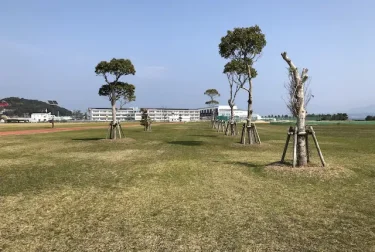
x: 243, y: 47
x: 370, y: 118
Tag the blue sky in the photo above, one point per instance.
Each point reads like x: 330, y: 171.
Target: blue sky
x: 49, y: 49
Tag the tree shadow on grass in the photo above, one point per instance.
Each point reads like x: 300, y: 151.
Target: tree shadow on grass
x: 186, y: 143
x: 257, y: 168
x: 88, y: 139
x: 203, y: 135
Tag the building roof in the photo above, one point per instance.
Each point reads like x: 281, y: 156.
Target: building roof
x: 117, y: 108
x: 171, y: 108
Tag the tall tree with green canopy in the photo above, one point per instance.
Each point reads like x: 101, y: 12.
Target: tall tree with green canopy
x: 115, y: 89
x: 246, y: 45
x: 212, y: 93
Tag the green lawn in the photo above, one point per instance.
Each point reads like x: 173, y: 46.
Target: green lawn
x: 185, y: 187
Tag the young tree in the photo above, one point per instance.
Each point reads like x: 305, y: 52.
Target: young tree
x: 245, y: 44
x: 237, y: 77
x: 297, y: 106
x: 146, y: 120
x: 212, y: 93
x: 114, y: 89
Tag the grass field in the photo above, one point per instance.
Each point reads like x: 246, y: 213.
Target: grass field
x: 185, y: 187
x: 32, y: 126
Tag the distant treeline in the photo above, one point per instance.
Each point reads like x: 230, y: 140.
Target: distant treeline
x: 24, y: 107
x: 370, y: 118
x: 329, y: 117
x: 315, y: 117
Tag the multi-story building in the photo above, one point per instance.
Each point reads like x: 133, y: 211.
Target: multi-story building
x: 224, y: 110
x: 105, y: 114
x: 173, y: 114
x: 134, y: 114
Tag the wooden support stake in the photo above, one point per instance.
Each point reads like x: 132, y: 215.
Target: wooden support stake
x: 243, y: 135
x: 257, y: 134
x: 226, y: 130
x: 317, y: 146
x: 286, y: 147
x: 307, y: 147
x: 118, y: 129
x: 295, y: 147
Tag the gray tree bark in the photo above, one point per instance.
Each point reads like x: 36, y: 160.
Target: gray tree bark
x: 250, y: 100
x: 113, y: 126
x: 300, y: 110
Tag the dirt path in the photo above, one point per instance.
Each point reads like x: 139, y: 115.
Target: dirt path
x: 50, y: 130
x: 41, y: 131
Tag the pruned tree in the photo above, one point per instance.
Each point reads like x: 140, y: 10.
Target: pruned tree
x: 291, y: 99
x: 212, y: 93
x: 297, y: 106
x: 245, y: 45
x: 298, y: 100
x: 146, y: 120
x: 236, y: 74
x: 114, y: 89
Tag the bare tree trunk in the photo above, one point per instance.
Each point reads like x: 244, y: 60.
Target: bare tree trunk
x: 231, y: 121
x: 250, y: 100
x: 113, y: 126
x: 301, y: 139
x: 299, y: 106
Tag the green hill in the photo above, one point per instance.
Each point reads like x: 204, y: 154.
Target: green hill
x: 22, y: 107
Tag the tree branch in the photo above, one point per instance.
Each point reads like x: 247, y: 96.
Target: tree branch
x: 245, y: 89
x: 289, y: 61
x: 106, y: 78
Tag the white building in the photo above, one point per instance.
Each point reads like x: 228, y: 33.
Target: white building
x: 224, y: 110
x: 173, y: 114
x: 105, y: 114
x: 134, y: 114
x: 63, y: 118
x: 41, y: 117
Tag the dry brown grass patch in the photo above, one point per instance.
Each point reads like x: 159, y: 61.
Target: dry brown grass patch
x: 311, y: 171
x: 122, y: 140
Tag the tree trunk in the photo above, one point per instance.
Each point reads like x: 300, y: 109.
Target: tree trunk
x: 301, y: 139
x: 113, y: 102
x: 231, y: 121
x: 250, y: 100
x: 299, y: 106
x: 301, y: 121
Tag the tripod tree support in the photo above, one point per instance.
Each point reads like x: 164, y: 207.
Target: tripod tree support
x: 250, y: 134
x: 115, y: 130
x: 294, y: 132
